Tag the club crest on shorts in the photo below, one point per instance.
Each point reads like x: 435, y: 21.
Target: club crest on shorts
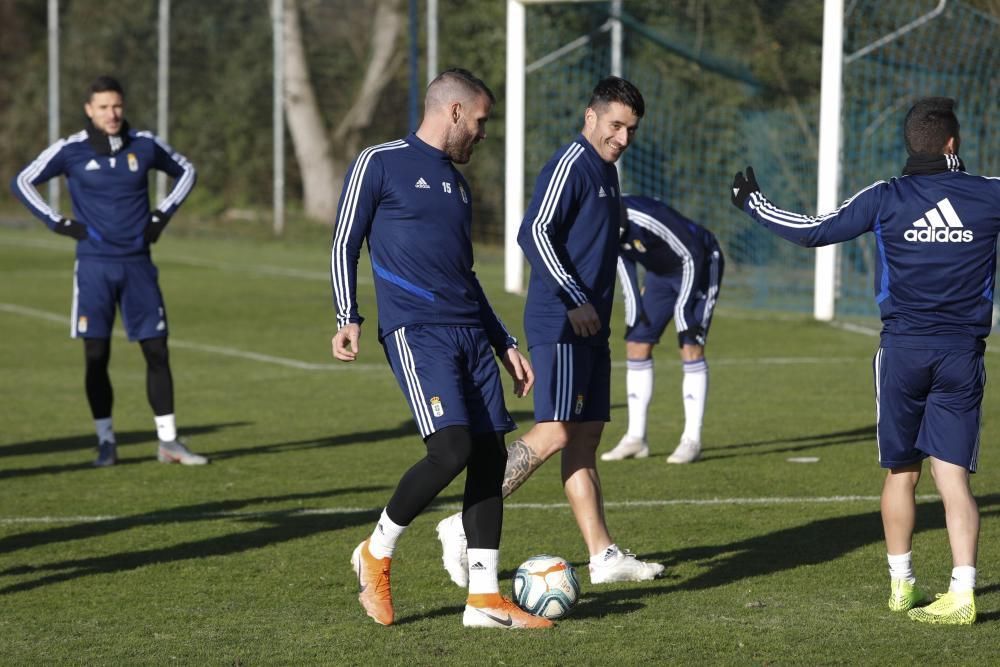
x: 579, y: 404
x: 436, y: 408
x: 81, y: 324
x: 639, y: 245
x: 133, y: 162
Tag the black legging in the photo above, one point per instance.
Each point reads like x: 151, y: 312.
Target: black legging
x: 159, y: 381
x: 449, y: 451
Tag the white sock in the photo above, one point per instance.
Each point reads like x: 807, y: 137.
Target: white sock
x: 105, y: 431
x: 963, y: 578
x: 483, y: 565
x: 166, y: 428
x: 694, y: 389
x: 605, y: 556
x: 639, y: 385
x: 901, y: 566
x: 382, y: 543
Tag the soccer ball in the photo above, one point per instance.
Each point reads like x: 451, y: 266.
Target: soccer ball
x: 546, y: 586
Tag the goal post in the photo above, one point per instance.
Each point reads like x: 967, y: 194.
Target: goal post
x: 515, y: 130
x: 828, y: 159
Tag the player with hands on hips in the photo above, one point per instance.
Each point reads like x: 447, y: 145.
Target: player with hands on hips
x: 107, y: 168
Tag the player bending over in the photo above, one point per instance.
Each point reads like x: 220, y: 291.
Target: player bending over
x: 683, y: 265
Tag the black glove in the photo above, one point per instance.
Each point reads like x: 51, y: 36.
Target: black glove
x: 71, y: 228
x: 743, y: 188
x: 157, y: 222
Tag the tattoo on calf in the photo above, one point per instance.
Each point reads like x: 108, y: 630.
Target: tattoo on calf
x: 521, y: 462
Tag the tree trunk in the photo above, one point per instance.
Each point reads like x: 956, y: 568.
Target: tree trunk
x: 305, y: 123
x: 321, y: 162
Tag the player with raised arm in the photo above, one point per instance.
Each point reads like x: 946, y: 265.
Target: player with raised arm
x: 936, y: 231
x: 683, y: 272
x: 439, y: 334
x: 570, y: 236
x: 107, y: 168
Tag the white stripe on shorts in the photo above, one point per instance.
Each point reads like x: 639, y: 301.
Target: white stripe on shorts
x: 878, y: 400
x: 416, y: 392
x: 564, y: 382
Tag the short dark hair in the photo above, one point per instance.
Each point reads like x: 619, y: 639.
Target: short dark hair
x: 929, y: 123
x: 466, y: 79
x: 616, y: 89
x: 105, y: 84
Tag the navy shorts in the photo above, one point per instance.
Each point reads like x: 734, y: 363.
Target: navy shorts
x: 666, y: 297
x: 100, y: 286
x: 928, y: 403
x: 572, y: 382
x: 449, y: 377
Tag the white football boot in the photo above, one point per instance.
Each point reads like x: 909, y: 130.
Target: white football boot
x: 688, y: 451
x: 454, y: 547
x: 176, y: 451
x: 627, y: 448
x: 622, y: 565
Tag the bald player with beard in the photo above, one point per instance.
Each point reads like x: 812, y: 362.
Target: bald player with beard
x: 439, y: 334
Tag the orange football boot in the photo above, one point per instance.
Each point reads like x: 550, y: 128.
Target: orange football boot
x: 373, y: 583
x: 492, y: 610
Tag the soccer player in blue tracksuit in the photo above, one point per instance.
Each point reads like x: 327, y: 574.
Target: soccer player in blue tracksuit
x: 439, y: 334
x: 936, y: 231
x: 570, y: 236
x: 683, y: 265
x: 107, y: 168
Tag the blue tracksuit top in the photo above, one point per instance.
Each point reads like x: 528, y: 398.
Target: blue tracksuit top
x: 936, y: 241
x: 415, y: 209
x: 664, y: 242
x: 570, y: 237
x: 110, y: 192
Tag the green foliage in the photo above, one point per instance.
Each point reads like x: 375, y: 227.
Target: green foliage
x: 245, y: 561
x: 221, y: 88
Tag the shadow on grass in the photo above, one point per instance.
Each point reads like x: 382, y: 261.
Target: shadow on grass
x: 810, y: 544
x: 281, y: 526
x: 148, y: 438
x: 865, y: 434
x: 88, y: 442
x: 404, y: 429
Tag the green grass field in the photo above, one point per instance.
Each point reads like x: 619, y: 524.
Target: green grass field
x: 245, y: 561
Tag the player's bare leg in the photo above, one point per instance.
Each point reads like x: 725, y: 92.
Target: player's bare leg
x: 899, y: 508
x: 960, y: 511
x: 958, y: 605
x: 582, y: 484
x: 899, y: 511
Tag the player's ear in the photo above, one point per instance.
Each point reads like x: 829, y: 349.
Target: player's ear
x: 590, y: 118
x: 456, y: 111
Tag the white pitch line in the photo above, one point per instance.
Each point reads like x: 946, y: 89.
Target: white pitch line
x: 869, y: 331
x: 171, y: 517
x: 358, y: 366
x: 203, y: 347
x: 234, y: 267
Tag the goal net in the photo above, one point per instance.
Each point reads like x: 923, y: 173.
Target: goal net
x: 708, y: 115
